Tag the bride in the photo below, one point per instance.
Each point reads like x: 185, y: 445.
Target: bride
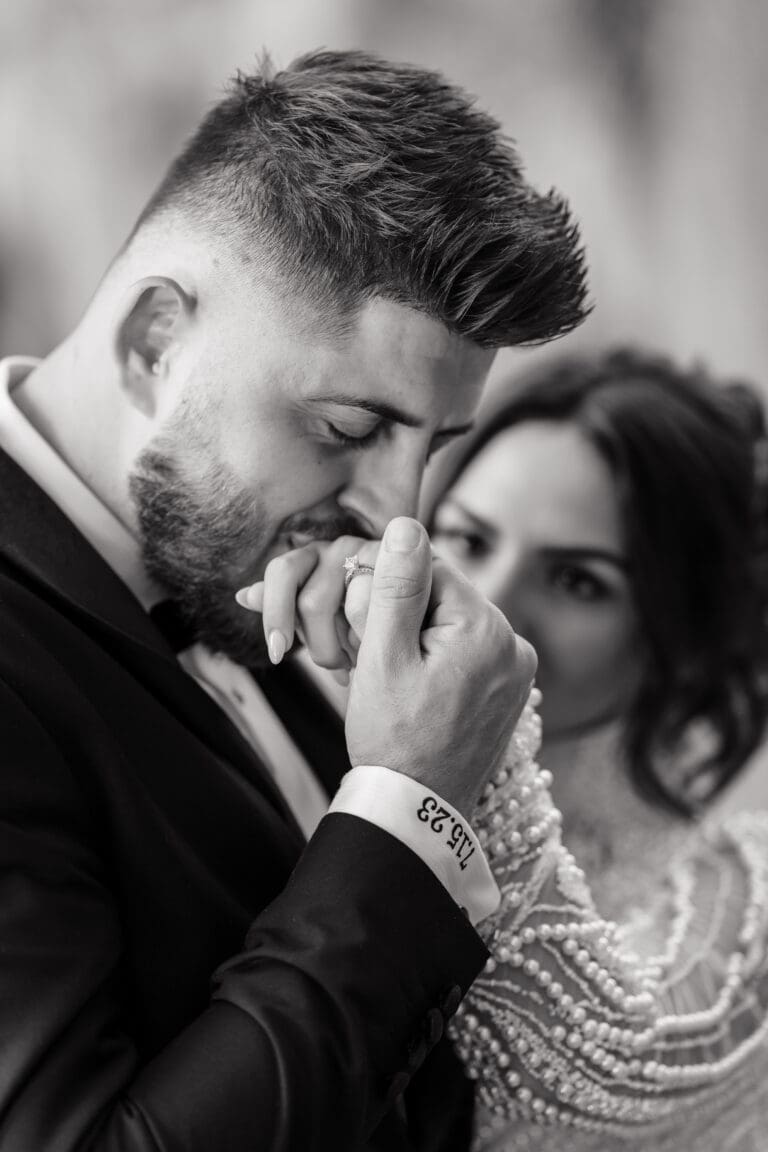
x: 610, y: 510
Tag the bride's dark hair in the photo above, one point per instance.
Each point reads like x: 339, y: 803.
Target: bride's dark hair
x: 689, y: 458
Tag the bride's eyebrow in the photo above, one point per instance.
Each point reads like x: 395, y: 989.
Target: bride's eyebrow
x: 476, y: 521
x: 582, y: 553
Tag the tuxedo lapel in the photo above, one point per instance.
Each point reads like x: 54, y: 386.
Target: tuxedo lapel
x: 49, y: 554
x: 39, y: 541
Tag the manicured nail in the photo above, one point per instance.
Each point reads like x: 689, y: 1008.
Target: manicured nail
x: 402, y: 535
x: 276, y: 645
x: 250, y: 597
x: 341, y: 676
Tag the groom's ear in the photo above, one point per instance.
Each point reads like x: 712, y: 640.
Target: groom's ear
x: 154, y: 320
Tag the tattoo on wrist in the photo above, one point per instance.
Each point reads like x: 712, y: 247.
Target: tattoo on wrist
x: 442, y: 823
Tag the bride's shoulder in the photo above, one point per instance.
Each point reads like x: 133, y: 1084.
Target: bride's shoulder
x: 741, y: 836
x: 719, y: 884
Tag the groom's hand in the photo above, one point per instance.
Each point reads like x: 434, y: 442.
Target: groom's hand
x: 441, y: 678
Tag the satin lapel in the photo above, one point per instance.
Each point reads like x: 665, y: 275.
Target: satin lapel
x: 48, y: 552
x: 38, y: 539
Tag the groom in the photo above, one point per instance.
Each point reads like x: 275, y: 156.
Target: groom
x: 193, y: 955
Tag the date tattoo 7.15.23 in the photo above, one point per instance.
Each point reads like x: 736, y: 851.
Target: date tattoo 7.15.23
x: 442, y: 822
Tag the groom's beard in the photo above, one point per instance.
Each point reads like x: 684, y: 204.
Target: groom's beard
x: 203, y: 539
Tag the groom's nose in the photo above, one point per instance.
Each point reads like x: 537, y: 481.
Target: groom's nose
x: 384, y: 485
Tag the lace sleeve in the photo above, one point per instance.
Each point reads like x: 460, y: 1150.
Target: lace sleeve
x: 583, y: 1023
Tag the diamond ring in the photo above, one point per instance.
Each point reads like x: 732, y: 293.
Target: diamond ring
x: 353, y: 567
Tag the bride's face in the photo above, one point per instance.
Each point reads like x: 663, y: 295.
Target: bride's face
x: 534, y: 522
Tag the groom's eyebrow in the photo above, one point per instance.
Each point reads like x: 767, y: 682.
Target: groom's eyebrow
x: 390, y: 412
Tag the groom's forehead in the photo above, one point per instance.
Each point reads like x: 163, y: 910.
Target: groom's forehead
x: 385, y: 353
x: 405, y: 337
x: 394, y: 355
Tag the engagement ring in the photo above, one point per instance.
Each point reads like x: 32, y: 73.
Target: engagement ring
x: 353, y: 567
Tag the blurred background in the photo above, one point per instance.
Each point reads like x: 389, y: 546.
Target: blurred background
x: 649, y: 114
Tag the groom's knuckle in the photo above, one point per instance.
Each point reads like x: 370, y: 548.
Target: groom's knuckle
x: 527, y: 659
x: 398, y: 587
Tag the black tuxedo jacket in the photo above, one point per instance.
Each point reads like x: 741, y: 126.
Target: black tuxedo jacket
x: 178, y: 971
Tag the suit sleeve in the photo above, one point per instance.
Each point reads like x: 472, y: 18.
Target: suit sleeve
x: 311, y: 1031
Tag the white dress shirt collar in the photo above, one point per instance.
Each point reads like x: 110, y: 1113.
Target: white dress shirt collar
x: 32, y: 452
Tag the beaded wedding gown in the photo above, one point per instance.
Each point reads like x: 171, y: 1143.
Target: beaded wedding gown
x: 626, y: 1005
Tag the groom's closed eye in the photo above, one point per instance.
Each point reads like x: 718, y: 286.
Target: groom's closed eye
x: 357, y: 422
x: 354, y: 433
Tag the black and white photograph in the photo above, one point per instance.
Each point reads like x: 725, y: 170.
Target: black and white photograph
x: 383, y: 576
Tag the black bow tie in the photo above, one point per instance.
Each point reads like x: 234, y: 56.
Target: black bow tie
x: 177, y: 630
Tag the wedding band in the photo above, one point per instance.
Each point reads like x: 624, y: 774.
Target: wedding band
x: 353, y: 567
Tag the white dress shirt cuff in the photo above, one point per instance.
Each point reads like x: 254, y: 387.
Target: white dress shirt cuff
x: 431, y: 828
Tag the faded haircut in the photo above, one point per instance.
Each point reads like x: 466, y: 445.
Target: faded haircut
x: 357, y: 178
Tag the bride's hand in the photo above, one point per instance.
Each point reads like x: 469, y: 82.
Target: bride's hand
x: 304, y: 592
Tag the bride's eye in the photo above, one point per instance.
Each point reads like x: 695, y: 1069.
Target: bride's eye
x: 578, y: 583
x: 463, y: 543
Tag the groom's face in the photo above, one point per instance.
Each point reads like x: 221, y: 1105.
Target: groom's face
x: 285, y: 433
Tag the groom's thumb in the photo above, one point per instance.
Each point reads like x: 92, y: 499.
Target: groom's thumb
x: 402, y: 581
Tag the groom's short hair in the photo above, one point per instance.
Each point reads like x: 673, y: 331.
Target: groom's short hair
x: 354, y: 177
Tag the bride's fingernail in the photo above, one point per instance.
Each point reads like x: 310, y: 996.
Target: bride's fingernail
x: 251, y: 597
x: 341, y: 676
x: 276, y: 645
